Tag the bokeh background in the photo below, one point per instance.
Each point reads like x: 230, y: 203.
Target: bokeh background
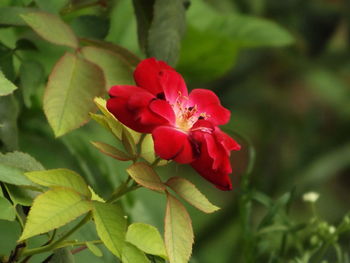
x: 289, y: 97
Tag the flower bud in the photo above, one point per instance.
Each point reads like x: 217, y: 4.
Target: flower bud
x: 311, y: 197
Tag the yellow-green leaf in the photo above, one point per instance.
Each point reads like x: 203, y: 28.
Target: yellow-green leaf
x: 178, y: 232
x: 53, y: 209
x: 60, y: 178
x: 132, y: 254
x: 111, y: 151
x: 7, y: 211
x: 51, y: 28
x: 95, y: 196
x: 6, y: 86
x: 147, y: 151
x: 145, y: 175
x: 146, y: 238
x: 116, y: 69
x: 110, y: 225
x: 94, y: 249
x: 191, y: 194
x: 72, y: 85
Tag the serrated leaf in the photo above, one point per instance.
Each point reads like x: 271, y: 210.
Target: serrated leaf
x: 54, y: 209
x: 94, y: 249
x: 115, y: 126
x: 110, y: 225
x: 116, y: 69
x: 51, y: 28
x: 132, y: 254
x: 6, y: 86
x: 191, y: 194
x: 62, y: 255
x: 73, y: 84
x: 178, y: 232
x: 146, y: 238
x: 7, y: 211
x: 32, y: 76
x: 111, y: 151
x: 166, y: 31
x: 13, y: 166
x: 11, y: 15
x: 132, y: 59
x: 60, y: 178
x: 145, y: 175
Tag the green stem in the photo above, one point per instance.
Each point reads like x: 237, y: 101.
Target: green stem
x: 53, y: 245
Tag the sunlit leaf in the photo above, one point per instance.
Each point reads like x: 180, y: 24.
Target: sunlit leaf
x: 146, y: 238
x: 191, y: 194
x: 51, y: 28
x: 111, y: 151
x: 145, y: 175
x: 73, y: 84
x: 110, y: 225
x: 178, y: 233
x: 6, y: 86
x: 94, y: 249
x: 60, y: 178
x: 132, y: 254
x: 53, y: 209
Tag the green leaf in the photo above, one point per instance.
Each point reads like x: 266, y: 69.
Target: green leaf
x: 51, y: 28
x: 178, y: 232
x: 60, y: 178
x: 6, y: 86
x: 111, y: 151
x: 8, y: 122
x: 132, y: 254
x: 128, y: 142
x: 90, y: 26
x: 132, y: 59
x: 166, y: 31
x: 94, y: 249
x: 54, y: 209
x: 191, y: 194
x: 115, y: 126
x: 145, y: 175
x: 12, y: 15
x: 116, y: 69
x: 32, y: 76
x: 95, y: 196
x: 246, y: 31
x: 52, y: 6
x: 10, y: 231
x: 110, y: 225
x: 73, y: 84
x: 62, y: 255
x: 146, y: 238
x: 144, y: 15
x: 20, y: 195
x: 7, y: 210
x: 13, y: 166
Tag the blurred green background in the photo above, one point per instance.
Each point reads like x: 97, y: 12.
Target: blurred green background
x: 281, y: 67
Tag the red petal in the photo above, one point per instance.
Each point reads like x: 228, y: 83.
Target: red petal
x: 129, y: 104
x: 204, y: 166
x: 226, y: 141
x: 174, y: 86
x: 148, y: 73
x: 170, y: 143
x: 163, y: 108
x: 207, y: 102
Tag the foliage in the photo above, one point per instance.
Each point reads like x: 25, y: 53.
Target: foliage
x: 282, y: 67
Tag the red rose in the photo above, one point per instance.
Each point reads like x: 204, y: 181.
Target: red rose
x: 183, y: 126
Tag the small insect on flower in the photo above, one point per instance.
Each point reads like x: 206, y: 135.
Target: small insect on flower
x: 184, y: 126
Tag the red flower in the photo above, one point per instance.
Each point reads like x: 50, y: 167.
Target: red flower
x: 183, y: 126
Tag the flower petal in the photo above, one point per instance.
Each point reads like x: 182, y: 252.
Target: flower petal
x: 174, y: 87
x: 148, y: 73
x: 129, y: 104
x: 170, y: 143
x: 163, y: 108
x: 207, y: 102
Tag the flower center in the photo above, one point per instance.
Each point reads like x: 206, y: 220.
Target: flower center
x: 186, y: 116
